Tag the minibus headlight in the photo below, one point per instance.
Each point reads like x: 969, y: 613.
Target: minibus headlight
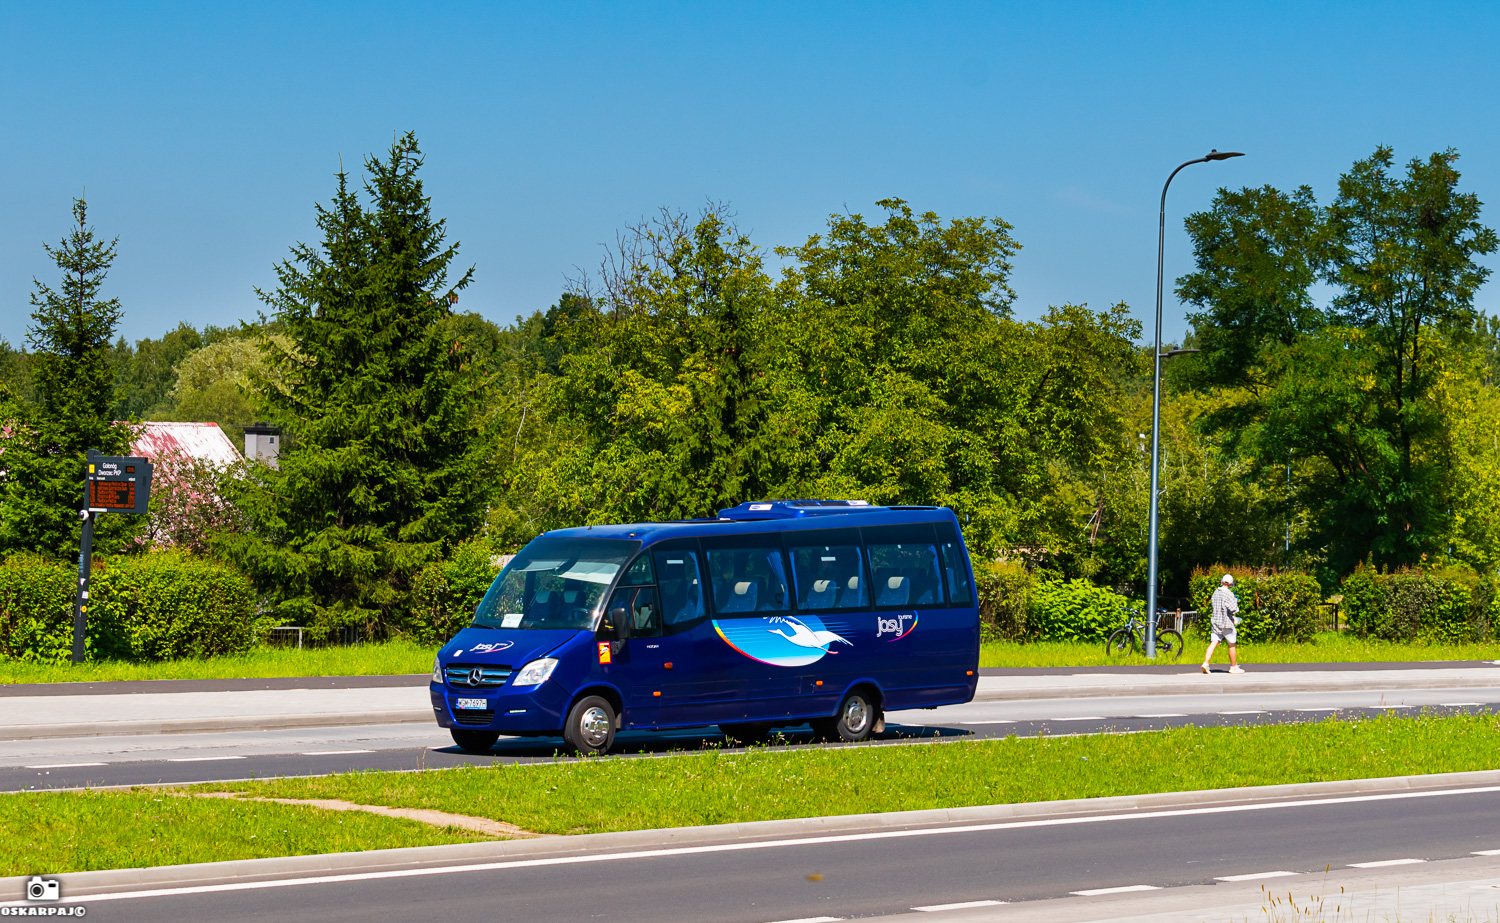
x: 437, y: 671
x: 536, y: 672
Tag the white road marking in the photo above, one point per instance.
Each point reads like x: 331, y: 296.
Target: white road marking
x: 770, y: 844
x: 813, y: 920
x: 64, y: 765
x: 1082, y: 718
x: 334, y: 752
x: 998, y: 721
x: 202, y: 759
x: 1166, y: 715
x: 1254, y: 876
x: 1126, y: 889
x: 1257, y: 711
x: 1485, y: 852
x: 961, y: 905
x: 1384, y: 862
x: 1390, y: 706
x: 1460, y: 704
x: 1317, y: 709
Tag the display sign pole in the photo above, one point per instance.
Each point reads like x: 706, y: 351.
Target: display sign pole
x: 81, y: 598
x: 113, y: 484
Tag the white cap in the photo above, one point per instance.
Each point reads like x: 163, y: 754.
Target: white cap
x: 1228, y: 579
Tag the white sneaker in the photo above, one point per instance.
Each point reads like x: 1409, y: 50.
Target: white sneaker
x: 1235, y: 669
x: 1205, y: 668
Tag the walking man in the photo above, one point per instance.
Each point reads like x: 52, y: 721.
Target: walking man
x: 1222, y: 625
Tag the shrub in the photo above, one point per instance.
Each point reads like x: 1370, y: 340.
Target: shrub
x: 445, y: 593
x: 1273, y: 607
x: 1447, y: 605
x: 1075, y: 610
x: 142, y: 607
x: 1004, y: 600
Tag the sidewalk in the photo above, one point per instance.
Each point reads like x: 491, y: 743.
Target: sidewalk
x: 79, y: 711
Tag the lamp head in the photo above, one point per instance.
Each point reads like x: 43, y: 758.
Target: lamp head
x: 1222, y: 155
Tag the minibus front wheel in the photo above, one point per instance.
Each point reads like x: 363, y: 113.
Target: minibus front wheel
x: 591, y: 726
x: 854, y: 721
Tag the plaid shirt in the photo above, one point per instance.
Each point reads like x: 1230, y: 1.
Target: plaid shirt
x: 1225, y: 607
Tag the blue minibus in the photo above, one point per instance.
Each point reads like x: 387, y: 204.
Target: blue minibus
x: 779, y: 613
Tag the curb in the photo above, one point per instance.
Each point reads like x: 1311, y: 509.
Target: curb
x: 77, y: 884
x: 230, y: 723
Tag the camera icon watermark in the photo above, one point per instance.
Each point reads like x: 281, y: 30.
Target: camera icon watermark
x: 43, y: 899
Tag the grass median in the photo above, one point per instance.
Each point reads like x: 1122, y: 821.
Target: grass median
x: 69, y: 831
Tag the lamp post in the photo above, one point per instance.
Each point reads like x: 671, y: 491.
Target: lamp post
x: 1161, y: 249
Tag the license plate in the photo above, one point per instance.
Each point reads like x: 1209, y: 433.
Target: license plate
x: 470, y: 703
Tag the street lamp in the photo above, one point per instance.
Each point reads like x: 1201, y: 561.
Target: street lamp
x: 1161, y: 249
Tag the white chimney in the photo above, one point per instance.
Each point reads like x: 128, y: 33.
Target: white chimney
x: 263, y: 443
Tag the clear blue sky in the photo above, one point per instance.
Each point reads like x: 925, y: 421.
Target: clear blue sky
x: 204, y: 133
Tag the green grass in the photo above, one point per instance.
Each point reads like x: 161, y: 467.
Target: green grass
x: 767, y: 783
x: 395, y: 657
x: 77, y: 831
x: 55, y: 832
x: 390, y: 657
x: 1326, y: 647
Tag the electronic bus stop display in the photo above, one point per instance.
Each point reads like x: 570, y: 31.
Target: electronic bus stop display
x: 118, y: 484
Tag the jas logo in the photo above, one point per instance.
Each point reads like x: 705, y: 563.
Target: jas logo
x: 489, y: 648
x: 896, y: 626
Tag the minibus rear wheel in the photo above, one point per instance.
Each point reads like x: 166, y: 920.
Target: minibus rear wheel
x: 474, y: 741
x: 855, y: 720
x: 591, y: 726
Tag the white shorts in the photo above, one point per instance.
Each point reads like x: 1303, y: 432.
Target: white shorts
x: 1228, y: 635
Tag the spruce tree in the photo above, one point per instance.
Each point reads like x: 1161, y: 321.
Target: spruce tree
x: 381, y: 466
x: 70, y: 337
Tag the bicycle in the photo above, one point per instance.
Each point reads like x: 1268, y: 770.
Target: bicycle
x: 1132, y: 638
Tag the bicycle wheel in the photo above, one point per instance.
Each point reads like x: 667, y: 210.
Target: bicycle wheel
x: 1122, y: 641
x: 1169, y: 644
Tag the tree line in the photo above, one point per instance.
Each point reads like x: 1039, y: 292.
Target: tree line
x: 882, y: 361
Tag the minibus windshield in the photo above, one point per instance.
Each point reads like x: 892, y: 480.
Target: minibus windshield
x: 553, y: 583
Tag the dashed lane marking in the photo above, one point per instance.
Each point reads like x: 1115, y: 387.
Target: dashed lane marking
x: 1460, y: 704
x: 64, y: 765
x: 1254, y: 711
x: 1166, y: 715
x: 202, y: 759
x: 1485, y: 852
x: 1383, y: 863
x: 1254, y: 876
x: 1081, y: 718
x: 813, y: 920
x: 334, y: 752
x: 961, y: 905
x: 1125, y: 889
x: 997, y: 721
x: 1318, y: 709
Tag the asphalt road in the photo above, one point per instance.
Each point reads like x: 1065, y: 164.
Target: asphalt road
x: 892, y: 872
x: 233, y: 755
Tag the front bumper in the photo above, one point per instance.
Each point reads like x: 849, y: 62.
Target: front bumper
x: 527, y: 710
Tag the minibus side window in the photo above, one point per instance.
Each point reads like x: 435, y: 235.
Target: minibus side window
x: 748, y: 580
x: 904, y: 563
x: 681, y: 589
x: 828, y: 576
x: 955, y: 565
